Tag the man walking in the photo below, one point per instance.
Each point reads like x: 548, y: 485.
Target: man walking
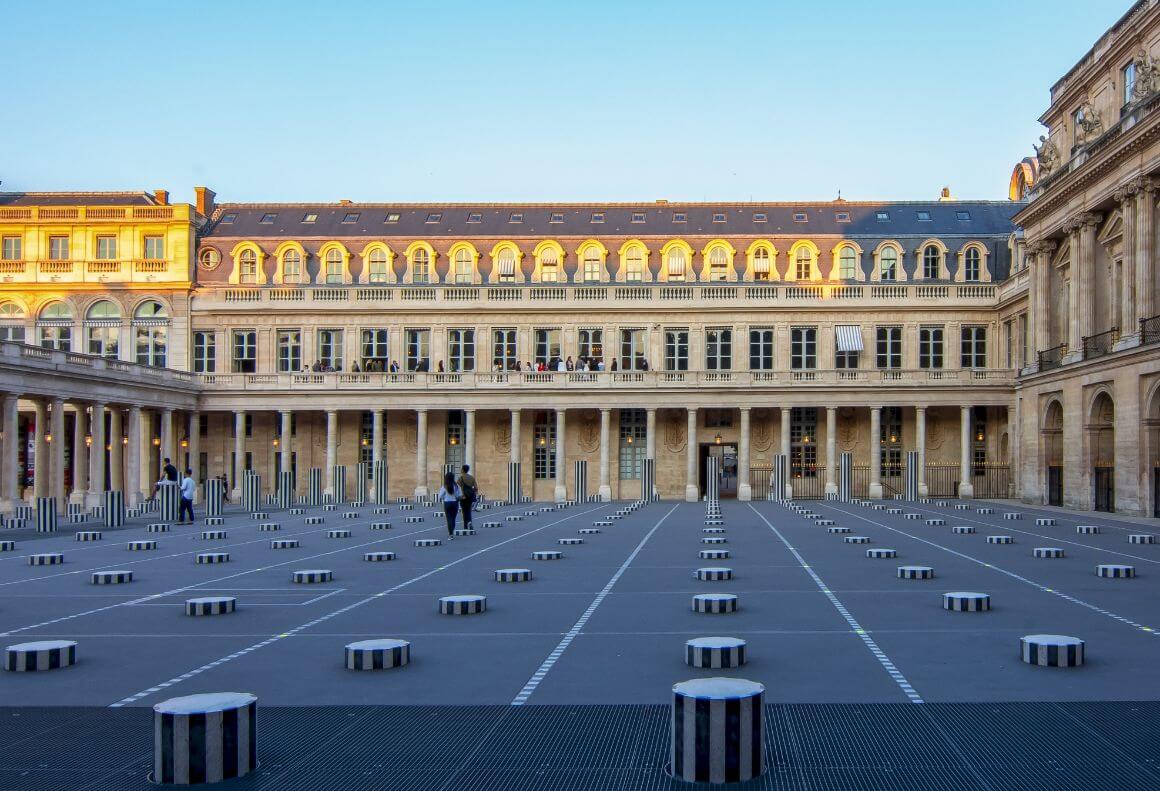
x: 468, y: 492
x: 188, y: 487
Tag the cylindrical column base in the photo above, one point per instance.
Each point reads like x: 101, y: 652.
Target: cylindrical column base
x: 716, y: 730
x: 205, y: 738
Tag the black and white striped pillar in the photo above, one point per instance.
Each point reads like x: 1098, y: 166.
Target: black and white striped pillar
x: 714, y: 653
x: 716, y: 730
x: 205, y: 738
x: 339, y: 473
x: 514, y: 489
x: 1051, y: 650
x: 911, y: 484
x: 251, y: 491
x: 314, y: 487
x: 377, y: 654
x: 214, y: 496
x: 285, y: 493
x: 114, y: 501
x: 40, y: 655
x: 712, y: 479
x: 580, y: 479
x: 779, y: 477
x: 45, y: 515
x: 379, y: 480
x: 169, y: 495
x: 648, y: 481
x: 362, y: 472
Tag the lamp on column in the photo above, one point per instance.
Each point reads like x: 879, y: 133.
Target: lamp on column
x: 157, y: 442
x: 717, y: 439
x: 48, y: 436
x: 88, y: 440
x: 184, y: 442
x: 276, y: 442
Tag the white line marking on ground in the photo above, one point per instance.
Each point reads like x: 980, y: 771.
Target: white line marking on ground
x: 867, y: 640
x: 562, y: 646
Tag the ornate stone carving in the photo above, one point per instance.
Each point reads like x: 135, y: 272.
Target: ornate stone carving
x: 589, y: 435
x: 1089, y: 124
x: 935, y: 432
x: 847, y: 429
x: 761, y: 437
x: 1147, y: 76
x: 502, y: 438
x: 1048, y: 156
x: 675, y: 439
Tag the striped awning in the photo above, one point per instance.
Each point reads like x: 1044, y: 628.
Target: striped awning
x: 507, y: 265
x: 849, y: 338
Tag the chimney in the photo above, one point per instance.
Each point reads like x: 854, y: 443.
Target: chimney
x: 203, y: 200
x: 161, y: 196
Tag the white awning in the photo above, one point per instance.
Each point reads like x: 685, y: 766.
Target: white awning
x: 849, y: 338
x: 507, y: 265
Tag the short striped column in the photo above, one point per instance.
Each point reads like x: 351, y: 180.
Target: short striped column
x: 915, y: 572
x: 339, y: 473
x: 377, y: 654
x: 1115, y: 570
x: 1051, y: 650
x: 465, y: 604
x: 314, y: 487
x: 210, y: 605
x: 513, y: 575
x: 1048, y: 552
x: 779, y: 478
x: 379, y: 480
x: 114, y: 501
x: 45, y: 515
x: 715, y: 602
x: 716, y: 730
x: 514, y: 482
x: 40, y: 655
x: 169, y: 495
x: 966, y: 601
x: 111, y: 577
x: 311, y: 576
x: 580, y: 479
x: 846, y: 477
x: 214, y: 496
x: 251, y: 491
x: 285, y: 489
x: 911, y: 484
x: 714, y: 653
x: 205, y: 738
x: 648, y: 480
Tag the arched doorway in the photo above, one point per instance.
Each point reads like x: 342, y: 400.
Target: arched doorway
x: 1052, y: 441
x: 1102, y: 452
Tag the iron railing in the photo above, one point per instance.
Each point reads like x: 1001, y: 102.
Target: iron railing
x: 1101, y: 344
x: 1052, y: 358
x: 1150, y: 329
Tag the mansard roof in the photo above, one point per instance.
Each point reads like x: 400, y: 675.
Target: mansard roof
x: 495, y: 220
x: 76, y: 199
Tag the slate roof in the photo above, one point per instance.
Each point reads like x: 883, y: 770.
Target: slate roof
x: 76, y: 199
x: 244, y: 220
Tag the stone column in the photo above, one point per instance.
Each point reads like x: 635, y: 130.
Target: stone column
x: 332, y: 450
x: 920, y: 446
x: 1074, y: 332
x: 9, y: 464
x: 80, y: 455
x: 515, y: 450
x: 1145, y: 252
x: 40, y: 472
x: 469, y: 438
x: 134, y: 493
x: 650, y: 430
x: 1041, y: 328
x: 421, y: 489
x: 605, y: 490
x: 116, y: 450
x: 97, y: 455
x: 57, y: 491
x: 744, y: 488
x: 194, y: 434
x: 1127, y: 318
x: 831, y: 450
x: 966, y: 488
x: 875, y: 453
x: 692, y: 488
x: 285, y: 446
x: 561, y: 492
x: 168, y: 446
x: 376, y: 436
x: 1087, y: 287
x: 785, y: 451
x: 239, y: 454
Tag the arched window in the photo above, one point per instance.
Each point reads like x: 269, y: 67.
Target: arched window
x: 931, y: 263
x: 634, y: 264
x: 420, y: 266
x: 334, y: 267
x: 718, y: 264
x: 292, y: 267
x: 377, y: 266
x: 103, y: 329
x: 11, y: 322
x: 592, y: 264
x: 464, y: 266
x: 848, y: 263
x: 888, y: 265
x: 972, y: 265
x: 804, y: 265
x: 549, y: 266
x: 151, y: 322
x: 55, y: 325
x: 210, y: 258
x: 761, y: 267
x: 676, y: 264
x: 248, y: 267
x: 505, y: 264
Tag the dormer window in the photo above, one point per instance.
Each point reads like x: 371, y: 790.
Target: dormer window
x: 474, y: 217
x: 883, y: 216
x: 516, y: 217
x: 842, y: 216
x: 557, y: 216
x: 229, y: 219
x: 680, y: 217
x: 309, y: 218
x: 268, y: 219
x: 393, y: 217
x: 638, y: 216
x: 718, y: 216
x: 434, y: 218
x: 963, y: 215
x: 597, y: 217
x: 923, y: 216
x: 800, y: 216
x: 760, y: 216
x: 351, y: 217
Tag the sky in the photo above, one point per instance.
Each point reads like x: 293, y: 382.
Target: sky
x: 533, y: 101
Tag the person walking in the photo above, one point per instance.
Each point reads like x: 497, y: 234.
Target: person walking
x: 188, y: 487
x: 449, y: 495
x: 468, y: 491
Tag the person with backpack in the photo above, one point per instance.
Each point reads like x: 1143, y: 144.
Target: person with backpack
x: 469, y: 490
x: 449, y: 495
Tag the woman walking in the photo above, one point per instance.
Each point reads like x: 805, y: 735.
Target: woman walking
x: 449, y: 495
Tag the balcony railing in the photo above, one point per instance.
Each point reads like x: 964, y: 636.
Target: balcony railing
x: 1052, y: 358
x: 57, y: 362
x: 1150, y: 329
x: 605, y: 380
x: 1100, y: 344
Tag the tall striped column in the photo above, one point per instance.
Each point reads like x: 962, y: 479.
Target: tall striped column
x: 339, y: 473
x: 778, y: 478
x: 648, y: 480
x: 912, y: 468
x: 846, y: 477
x: 45, y: 514
x: 379, y: 481
x: 214, y: 496
x: 314, y: 487
x: 514, y: 482
x: 114, y: 501
x: 716, y: 730
x: 362, y: 471
x: 713, y: 479
x: 285, y: 488
x: 251, y: 491
x: 169, y: 496
x: 580, y: 479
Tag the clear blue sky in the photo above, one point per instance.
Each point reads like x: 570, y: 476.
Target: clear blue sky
x: 596, y: 100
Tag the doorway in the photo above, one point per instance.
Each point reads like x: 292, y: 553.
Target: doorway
x: 726, y: 456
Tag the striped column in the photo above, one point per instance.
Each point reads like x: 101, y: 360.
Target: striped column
x: 251, y: 491
x: 114, y: 508
x: 169, y: 497
x: 712, y: 479
x: 912, y: 468
x: 285, y: 488
x: 45, y: 514
x: 846, y: 477
x: 362, y: 471
x: 379, y: 481
x: 580, y: 479
x: 777, y: 481
x: 314, y: 487
x: 214, y: 496
x: 514, y: 482
x: 716, y: 730
x: 648, y: 480
x: 205, y: 738
x: 338, y: 471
